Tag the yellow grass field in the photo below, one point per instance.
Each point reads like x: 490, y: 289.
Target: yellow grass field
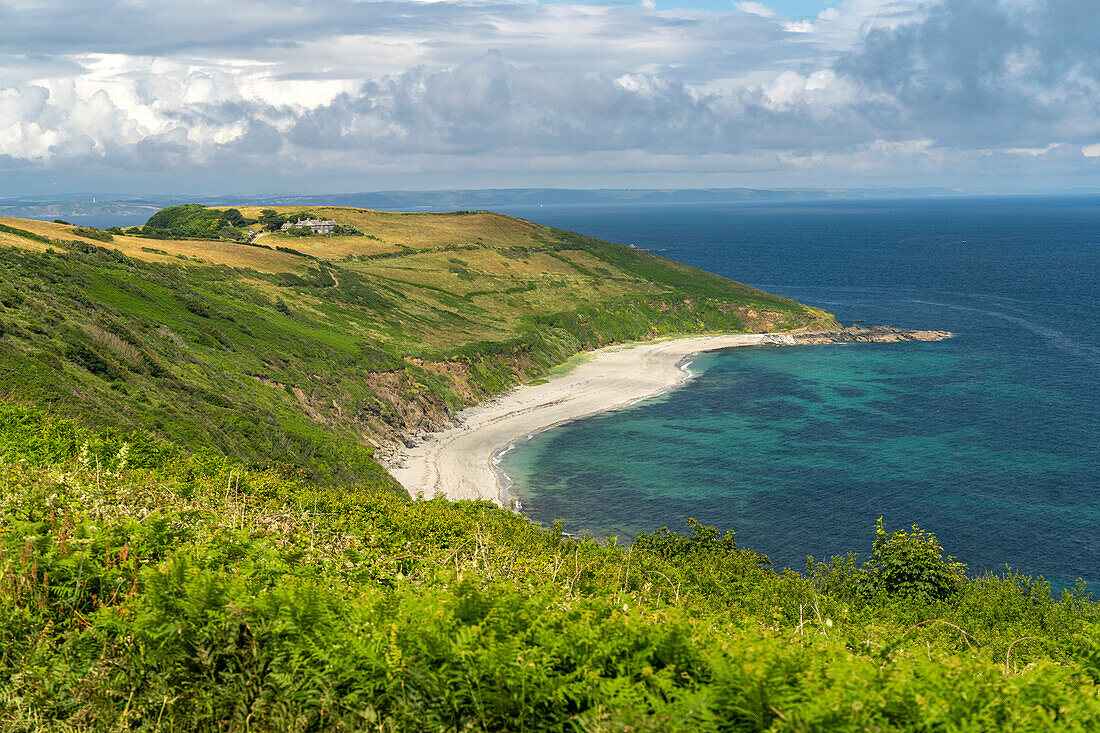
x: 208, y: 251
x: 423, y: 230
x: 331, y: 246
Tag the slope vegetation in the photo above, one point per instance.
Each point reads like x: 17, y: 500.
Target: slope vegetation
x: 318, y: 350
x: 143, y: 588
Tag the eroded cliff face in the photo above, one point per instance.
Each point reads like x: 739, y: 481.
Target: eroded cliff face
x: 402, y: 408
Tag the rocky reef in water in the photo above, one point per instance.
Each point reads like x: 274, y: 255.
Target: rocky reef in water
x: 870, y: 334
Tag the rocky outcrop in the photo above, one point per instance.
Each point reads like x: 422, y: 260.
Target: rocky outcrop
x: 872, y: 334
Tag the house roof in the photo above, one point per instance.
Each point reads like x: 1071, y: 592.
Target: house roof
x: 310, y: 223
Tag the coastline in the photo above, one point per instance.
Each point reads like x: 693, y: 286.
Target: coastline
x: 458, y: 462
x: 507, y: 495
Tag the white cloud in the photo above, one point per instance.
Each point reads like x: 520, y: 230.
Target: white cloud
x: 799, y: 26
x: 754, y: 8
x: 1091, y: 151
x: 1032, y: 152
x: 905, y: 147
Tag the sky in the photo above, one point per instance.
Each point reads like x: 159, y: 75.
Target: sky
x: 318, y: 96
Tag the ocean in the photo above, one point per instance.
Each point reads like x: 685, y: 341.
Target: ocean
x: 989, y: 439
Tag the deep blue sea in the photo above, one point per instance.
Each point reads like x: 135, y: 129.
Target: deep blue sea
x: 989, y: 439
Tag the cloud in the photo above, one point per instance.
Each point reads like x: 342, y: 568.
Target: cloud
x: 521, y: 92
x: 755, y: 9
x: 975, y: 71
x: 1032, y: 152
x: 799, y: 26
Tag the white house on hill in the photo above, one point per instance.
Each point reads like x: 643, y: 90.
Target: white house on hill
x: 317, y: 226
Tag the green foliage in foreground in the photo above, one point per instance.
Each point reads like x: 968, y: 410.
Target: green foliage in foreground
x: 144, y: 590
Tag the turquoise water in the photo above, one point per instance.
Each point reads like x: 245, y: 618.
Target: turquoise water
x: 989, y: 439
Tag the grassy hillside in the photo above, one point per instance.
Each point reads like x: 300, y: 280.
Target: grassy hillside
x: 316, y: 351
x: 143, y: 588
x: 195, y: 536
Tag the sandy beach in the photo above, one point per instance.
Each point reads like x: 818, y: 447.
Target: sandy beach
x: 458, y: 462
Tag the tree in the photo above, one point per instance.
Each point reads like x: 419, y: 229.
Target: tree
x: 230, y: 232
x: 233, y: 218
x: 272, y: 220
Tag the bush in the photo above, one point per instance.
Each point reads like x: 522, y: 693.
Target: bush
x: 92, y: 233
x: 144, y: 589
x: 233, y: 218
x: 911, y: 564
x: 668, y: 544
x: 230, y: 232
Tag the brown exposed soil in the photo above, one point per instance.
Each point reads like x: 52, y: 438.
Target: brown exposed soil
x: 402, y: 412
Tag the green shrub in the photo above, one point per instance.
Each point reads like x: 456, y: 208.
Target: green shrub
x: 230, y: 232
x: 92, y: 233
x: 911, y: 564
x: 702, y: 539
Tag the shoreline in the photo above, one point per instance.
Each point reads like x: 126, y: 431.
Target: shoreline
x: 460, y: 462
x: 508, y: 497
